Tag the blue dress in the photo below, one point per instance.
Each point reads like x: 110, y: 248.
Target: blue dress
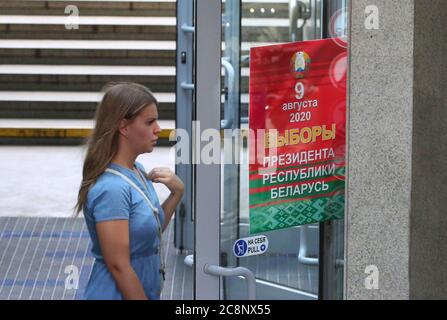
x: 113, y: 198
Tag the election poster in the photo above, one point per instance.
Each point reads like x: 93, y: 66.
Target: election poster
x: 297, y: 122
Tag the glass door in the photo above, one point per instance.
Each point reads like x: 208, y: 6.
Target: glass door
x: 303, y: 262
x: 289, y: 268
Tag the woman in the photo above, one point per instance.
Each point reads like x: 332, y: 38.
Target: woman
x: 121, y: 209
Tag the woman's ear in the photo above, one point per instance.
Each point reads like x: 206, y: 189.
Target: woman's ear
x: 123, y: 127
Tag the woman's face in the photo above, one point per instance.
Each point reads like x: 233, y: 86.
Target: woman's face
x: 143, y: 131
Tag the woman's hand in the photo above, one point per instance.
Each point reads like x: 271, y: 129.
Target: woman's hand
x: 168, y: 178
x: 175, y: 185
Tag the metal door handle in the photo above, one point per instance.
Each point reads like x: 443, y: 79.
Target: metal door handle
x: 302, y: 255
x: 227, y: 122
x: 187, y: 86
x: 186, y: 28
x: 229, y: 272
x: 298, y: 10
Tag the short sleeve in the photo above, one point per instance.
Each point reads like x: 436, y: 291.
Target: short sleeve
x: 111, y: 203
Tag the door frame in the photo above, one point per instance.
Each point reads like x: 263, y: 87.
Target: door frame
x: 208, y: 105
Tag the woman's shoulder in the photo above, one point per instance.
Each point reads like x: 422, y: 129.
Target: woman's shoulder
x: 107, y: 185
x: 109, y: 198
x: 108, y: 180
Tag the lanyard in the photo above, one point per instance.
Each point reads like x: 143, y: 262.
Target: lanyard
x: 154, y: 209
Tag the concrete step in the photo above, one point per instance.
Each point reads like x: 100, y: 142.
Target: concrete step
x: 61, y: 131
x: 110, y: 45
x: 87, y: 32
x: 86, y: 82
x: 88, y: 57
x: 64, y: 123
x: 87, y: 52
x: 69, y: 104
x: 63, y: 110
x: 88, y: 8
x: 74, y: 105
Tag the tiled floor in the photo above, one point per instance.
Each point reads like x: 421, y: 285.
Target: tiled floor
x: 39, y: 257
x: 35, y: 253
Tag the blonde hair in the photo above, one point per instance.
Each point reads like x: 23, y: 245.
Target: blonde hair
x: 123, y: 100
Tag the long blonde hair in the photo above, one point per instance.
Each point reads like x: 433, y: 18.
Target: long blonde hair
x: 122, y: 100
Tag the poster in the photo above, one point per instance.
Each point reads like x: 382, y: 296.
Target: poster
x: 297, y: 134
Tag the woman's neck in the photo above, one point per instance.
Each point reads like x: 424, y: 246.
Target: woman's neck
x: 126, y: 155
x: 125, y: 161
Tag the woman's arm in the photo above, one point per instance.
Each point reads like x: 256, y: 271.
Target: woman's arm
x: 174, y: 184
x: 169, y: 206
x: 114, y: 241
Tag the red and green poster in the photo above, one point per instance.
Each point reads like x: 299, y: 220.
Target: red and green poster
x: 297, y: 134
